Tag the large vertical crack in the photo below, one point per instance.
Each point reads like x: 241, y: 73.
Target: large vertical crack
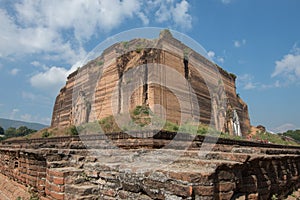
x: 186, y: 76
x: 186, y: 68
x: 145, y: 85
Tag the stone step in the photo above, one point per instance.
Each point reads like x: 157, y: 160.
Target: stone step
x: 215, y: 155
x: 81, y: 190
x: 58, y: 164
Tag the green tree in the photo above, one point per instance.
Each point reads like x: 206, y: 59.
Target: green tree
x: 1, y: 131
x: 23, y: 130
x: 295, y: 134
x: 10, y: 132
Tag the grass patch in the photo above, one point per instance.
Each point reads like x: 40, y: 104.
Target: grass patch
x: 141, y: 110
x: 109, y: 125
x: 125, y: 44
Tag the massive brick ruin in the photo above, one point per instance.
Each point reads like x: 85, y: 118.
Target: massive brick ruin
x: 87, y: 96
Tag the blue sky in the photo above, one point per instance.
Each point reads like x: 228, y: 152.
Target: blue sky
x: 41, y: 42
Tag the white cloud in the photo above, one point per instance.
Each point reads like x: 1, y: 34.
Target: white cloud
x: 163, y: 14
x: 167, y: 11
x: 238, y: 43
x: 144, y: 18
x: 37, y: 26
x: 220, y: 59
x: 51, y: 79
x: 14, y: 71
x: 288, y: 67
x: 36, y: 63
x: 276, y: 84
x: 249, y: 86
x: 245, y: 81
x: 13, y: 113
x: 57, y: 30
x: 211, y: 54
x: 16, y: 40
x: 181, y: 16
x: 39, y: 65
x: 82, y: 16
x: 226, y: 1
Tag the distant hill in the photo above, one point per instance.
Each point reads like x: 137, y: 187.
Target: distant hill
x: 6, y: 123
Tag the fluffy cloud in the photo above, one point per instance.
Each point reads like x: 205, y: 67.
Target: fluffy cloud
x: 289, y: 66
x: 60, y: 27
x: 220, y: 60
x: 14, y: 71
x: 16, y: 40
x: 181, y: 16
x: 238, y: 43
x: 168, y: 11
x: 226, y: 1
x: 82, y: 16
x: 52, y: 79
x: 58, y: 30
x: 13, y: 113
x: 245, y: 81
x: 212, y: 56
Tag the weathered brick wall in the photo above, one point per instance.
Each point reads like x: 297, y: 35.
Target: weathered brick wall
x: 67, y: 171
x: 260, y: 178
x: 25, y: 168
x: 10, y: 189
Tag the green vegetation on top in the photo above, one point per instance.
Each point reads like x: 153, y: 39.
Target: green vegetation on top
x: 142, y: 116
x: 70, y: 131
x: 15, y: 132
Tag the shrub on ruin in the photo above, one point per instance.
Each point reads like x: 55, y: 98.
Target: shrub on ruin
x: 46, y: 134
x: 73, y: 130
